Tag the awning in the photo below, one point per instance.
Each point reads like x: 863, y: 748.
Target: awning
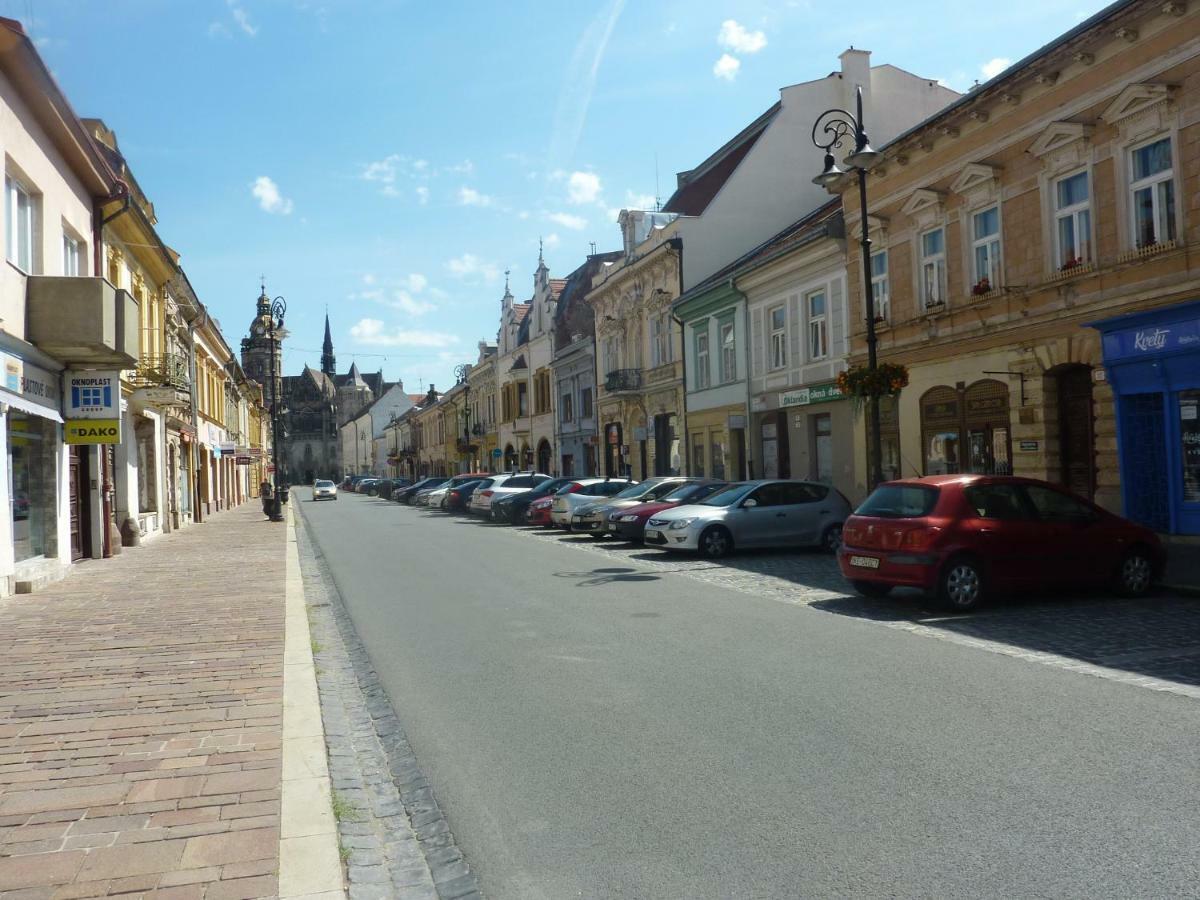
x: 16, y: 401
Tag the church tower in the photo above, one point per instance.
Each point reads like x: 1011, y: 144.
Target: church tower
x: 328, y: 363
x: 257, y: 348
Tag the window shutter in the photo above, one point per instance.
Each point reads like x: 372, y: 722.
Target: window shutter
x: 836, y: 316
x: 799, y: 331
x: 757, y: 339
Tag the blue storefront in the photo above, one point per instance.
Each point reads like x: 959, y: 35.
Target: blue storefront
x: 1153, y: 362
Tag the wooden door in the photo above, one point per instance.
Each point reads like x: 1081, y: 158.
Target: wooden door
x: 78, y: 490
x: 1076, y: 431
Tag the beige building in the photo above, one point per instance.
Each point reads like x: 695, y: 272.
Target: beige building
x: 639, y: 356
x: 1014, y: 228
x: 483, y: 404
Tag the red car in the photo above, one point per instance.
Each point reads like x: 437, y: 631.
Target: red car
x: 963, y: 537
x: 631, y: 523
x: 539, y: 512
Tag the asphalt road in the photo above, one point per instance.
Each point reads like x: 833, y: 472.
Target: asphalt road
x: 596, y: 733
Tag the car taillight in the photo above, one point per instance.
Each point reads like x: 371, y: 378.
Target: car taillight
x: 920, y: 538
x: 487, y: 493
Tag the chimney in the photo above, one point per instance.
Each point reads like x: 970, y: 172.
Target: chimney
x: 856, y: 72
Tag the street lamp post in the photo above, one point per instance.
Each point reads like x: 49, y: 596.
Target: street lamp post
x: 270, y: 329
x: 461, y: 372
x: 835, y: 125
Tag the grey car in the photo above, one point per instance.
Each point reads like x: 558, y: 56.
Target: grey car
x: 753, y: 514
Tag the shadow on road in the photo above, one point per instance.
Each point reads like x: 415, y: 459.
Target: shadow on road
x: 1158, y: 636
x: 607, y: 576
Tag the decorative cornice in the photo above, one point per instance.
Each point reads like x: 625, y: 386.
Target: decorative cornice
x: 1135, y: 99
x: 921, y: 199
x: 1058, y: 134
x: 974, y: 177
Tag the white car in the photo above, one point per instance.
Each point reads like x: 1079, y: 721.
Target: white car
x: 589, y: 491
x: 481, y: 500
x: 512, y: 483
x: 435, y: 498
x: 324, y: 490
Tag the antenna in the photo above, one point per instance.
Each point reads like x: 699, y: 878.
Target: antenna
x: 657, y: 191
x: 593, y: 246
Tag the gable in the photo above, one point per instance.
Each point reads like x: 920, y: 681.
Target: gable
x: 1058, y: 135
x: 1136, y: 98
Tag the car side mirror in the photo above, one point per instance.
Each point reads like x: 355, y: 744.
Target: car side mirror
x: 750, y: 504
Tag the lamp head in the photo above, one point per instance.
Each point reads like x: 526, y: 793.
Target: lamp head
x: 830, y: 174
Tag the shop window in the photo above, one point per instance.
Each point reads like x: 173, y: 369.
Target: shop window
x: 822, y: 438
x: 1073, y: 221
x: 985, y: 245
x: 33, y: 491
x: 718, y: 455
x: 880, y: 288
x: 698, y: 454
x: 966, y: 430
x: 1153, y: 193
x: 1189, y: 431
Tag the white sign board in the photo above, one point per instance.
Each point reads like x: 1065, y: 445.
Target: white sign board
x: 92, y: 395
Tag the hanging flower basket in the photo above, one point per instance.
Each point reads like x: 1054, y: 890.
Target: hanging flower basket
x: 859, y: 383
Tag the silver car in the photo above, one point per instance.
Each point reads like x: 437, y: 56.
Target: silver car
x: 324, y: 490
x: 596, y: 518
x: 754, y: 514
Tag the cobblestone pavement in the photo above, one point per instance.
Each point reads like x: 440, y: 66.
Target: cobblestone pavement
x: 140, y: 721
x: 396, y: 840
x: 1154, y: 642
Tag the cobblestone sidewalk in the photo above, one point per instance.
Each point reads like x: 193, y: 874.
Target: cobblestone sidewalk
x: 140, y: 721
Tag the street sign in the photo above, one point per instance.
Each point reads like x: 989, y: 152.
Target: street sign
x: 497, y: 453
x: 93, y: 431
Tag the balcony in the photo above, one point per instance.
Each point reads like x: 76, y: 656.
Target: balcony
x: 166, y: 374
x: 623, y: 381
x: 82, y: 321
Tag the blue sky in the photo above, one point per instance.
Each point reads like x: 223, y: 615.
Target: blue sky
x: 390, y: 160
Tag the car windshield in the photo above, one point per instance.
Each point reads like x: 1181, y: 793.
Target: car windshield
x: 525, y: 481
x: 730, y: 495
x: 634, y: 490
x: 899, y: 501
x: 693, y: 493
x: 324, y: 484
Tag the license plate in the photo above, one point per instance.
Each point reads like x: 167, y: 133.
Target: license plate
x: 864, y: 562
x: 654, y: 537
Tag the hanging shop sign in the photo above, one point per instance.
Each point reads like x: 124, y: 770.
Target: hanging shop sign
x: 228, y: 448
x: 92, y: 431
x: 92, y: 395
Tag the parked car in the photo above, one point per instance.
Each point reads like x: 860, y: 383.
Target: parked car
x: 513, y: 508
x: 584, y: 491
x: 629, y: 523
x: 481, y: 499
x: 368, y: 486
x: 437, y: 497
x: 459, y: 496
x: 594, y: 518
x: 324, y: 489
x: 539, y: 512
x: 963, y: 537
x: 752, y: 514
x: 409, y: 493
x: 513, y: 484
x: 389, y: 486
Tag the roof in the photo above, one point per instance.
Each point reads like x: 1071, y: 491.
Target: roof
x: 417, y: 399
x: 816, y: 224
x: 1014, y: 69
x: 520, y: 311
x: 697, y: 187
x: 556, y: 286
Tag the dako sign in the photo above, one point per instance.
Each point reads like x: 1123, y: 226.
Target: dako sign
x: 92, y: 403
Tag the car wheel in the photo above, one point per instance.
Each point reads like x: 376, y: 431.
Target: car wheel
x: 871, y: 588
x: 961, y: 585
x: 831, y: 539
x: 1135, y: 575
x: 715, y: 542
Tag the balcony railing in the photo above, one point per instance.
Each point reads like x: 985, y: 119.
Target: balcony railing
x: 167, y: 370
x: 620, y: 380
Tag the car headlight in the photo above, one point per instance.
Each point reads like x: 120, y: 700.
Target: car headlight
x: 628, y: 518
x: 680, y: 524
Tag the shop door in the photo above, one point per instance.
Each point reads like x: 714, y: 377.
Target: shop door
x: 1076, y: 434
x: 81, y: 539
x: 784, y: 449
x: 1144, y: 460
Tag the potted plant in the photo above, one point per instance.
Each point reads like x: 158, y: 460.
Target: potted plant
x: 982, y: 286
x: 860, y: 383
x: 1073, y: 262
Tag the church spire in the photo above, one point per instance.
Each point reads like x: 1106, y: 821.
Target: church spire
x: 328, y: 364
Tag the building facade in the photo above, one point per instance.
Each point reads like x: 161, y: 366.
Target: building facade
x: 1032, y: 240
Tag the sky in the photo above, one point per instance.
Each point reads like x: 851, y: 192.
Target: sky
x: 389, y: 161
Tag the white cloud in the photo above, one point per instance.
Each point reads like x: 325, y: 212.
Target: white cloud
x: 735, y: 37
x: 266, y: 192
x: 423, y: 195
x: 242, y: 19
x: 416, y: 282
x: 421, y: 165
x: 372, y: 331
x: 994, y: 67
x: 466, y: 167
x: 567, y: 220
x: 727, y: 67
x: 405, y: 302
x: 635, y: 200
x: 471, y: 267
x: 368, y: 279
x: 383, y: 170
x: 470, y: 197
x: 583, y: 187
x: 551, y: 240
x: 218, y: 29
